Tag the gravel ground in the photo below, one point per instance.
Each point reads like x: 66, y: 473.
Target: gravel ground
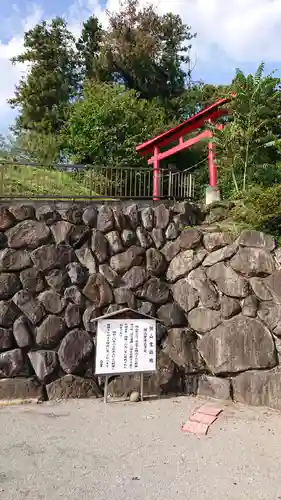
x: 85, y: 450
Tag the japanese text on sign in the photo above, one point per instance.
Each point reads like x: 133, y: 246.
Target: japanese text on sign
x: 125, y: 346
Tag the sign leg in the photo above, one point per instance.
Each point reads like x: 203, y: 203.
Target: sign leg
x: 105, y: 390
x: 141, y: 386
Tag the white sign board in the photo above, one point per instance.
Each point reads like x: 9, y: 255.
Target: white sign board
x: 125, y: 346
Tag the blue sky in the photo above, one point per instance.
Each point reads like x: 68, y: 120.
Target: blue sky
x: 230, y: 34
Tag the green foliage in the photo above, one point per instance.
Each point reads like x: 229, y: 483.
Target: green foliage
x: 242, y: 155
x: 88, y: 47
x: 145, y: 51
x: 42, y: 97
x: 37, y: 147
x: 260, y: 208
x: 105, y: 126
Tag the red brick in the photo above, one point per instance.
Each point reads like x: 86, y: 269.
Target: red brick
x: 195, y: 427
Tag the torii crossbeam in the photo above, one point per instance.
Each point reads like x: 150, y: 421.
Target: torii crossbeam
x: 153, y: 146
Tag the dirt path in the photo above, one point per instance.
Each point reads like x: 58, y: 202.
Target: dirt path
x: 85, y: 450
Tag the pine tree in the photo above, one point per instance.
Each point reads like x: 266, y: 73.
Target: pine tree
x: 43, y: 95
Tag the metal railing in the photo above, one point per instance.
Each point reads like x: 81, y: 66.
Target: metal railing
x: 21, y: 180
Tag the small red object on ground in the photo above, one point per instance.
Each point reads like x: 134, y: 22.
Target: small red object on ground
x: 201, y: 420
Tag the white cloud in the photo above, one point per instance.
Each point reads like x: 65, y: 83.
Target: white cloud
x: 11, y: 74
x: 229, y: 33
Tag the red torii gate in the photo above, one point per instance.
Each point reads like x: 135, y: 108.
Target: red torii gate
x: 153, y: 146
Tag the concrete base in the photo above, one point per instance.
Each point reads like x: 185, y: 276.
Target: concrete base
x: 212, y: 195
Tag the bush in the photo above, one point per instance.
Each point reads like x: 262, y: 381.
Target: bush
x: 260, y: 208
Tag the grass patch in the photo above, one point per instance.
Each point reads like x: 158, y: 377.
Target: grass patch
x: 27, y: 181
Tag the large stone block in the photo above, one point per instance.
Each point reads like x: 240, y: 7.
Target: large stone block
x: 162, y: 216
x: 86, y: 258
x: 13, y: 364
x: 250, y: 306
x: 48, y: 257
x: 23, y: 333
x: 61, y: 231
x: 90, y: 216
x: 8, y: 313
x: 72, y: 316
x: 215, y: 241
x: 270, y: 314
x: 128, y: 237
x: 124, y: 296
x: 253, y: 262
x: 29, y: 306
x: 214, y: 387
x: 172, y: 315
x: 180, y: 346
x: 228, y: 281
x: 273, y: 285
x: 98, y: 291
x: 6, y: 219
x: 89, y: 314
x: 166, y: 380
x: 14, y: 260
x: 257, y: 239
x: 259, y: 288
x: 58, y: 280
x: 7, y: 340
x: 114, y: 241
x: 50, y: 332
x: 22, y: 212
x: 206, y: 290
x: 186, y: 297
x: 220, y: 255
x: 71, y: 386
x: 147, y: 218
x: 47, y: 214
x: 155, y: 262
x: 190, y: 238
x: 44, y: 363
x: 258, y: 388
x: 79, y: 236
x: 32, y: 280
x: 73, y: 294
x: 76, y: 348
x: 9, y: 285
x: 119, y: 217
x: 52, y: 301
x: 158, y: 237
x: 144, y: 237
x: 77, y: 273
x: 171, y: 250
x: 20, y: 389
x: 244, y: 344
x: 132, y: 214
x: 172, y: 231
x: 29, y: 233
x: 155, y: 291
x: 229, y: 307
x: 105, y: 221
x: 72, y: 214
x: 203, y: 320
x: 183, y: 263
x: 135, y: 277
x: 124, y: 261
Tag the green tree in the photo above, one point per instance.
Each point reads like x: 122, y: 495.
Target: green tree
x: 242, y: 156
x: 38, y: 147
x: 42, y: 97
x: 107, y: 123
x: 146, y: 51
x: 89, y: 46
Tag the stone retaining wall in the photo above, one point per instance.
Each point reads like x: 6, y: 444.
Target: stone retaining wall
x: 218, y: 299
